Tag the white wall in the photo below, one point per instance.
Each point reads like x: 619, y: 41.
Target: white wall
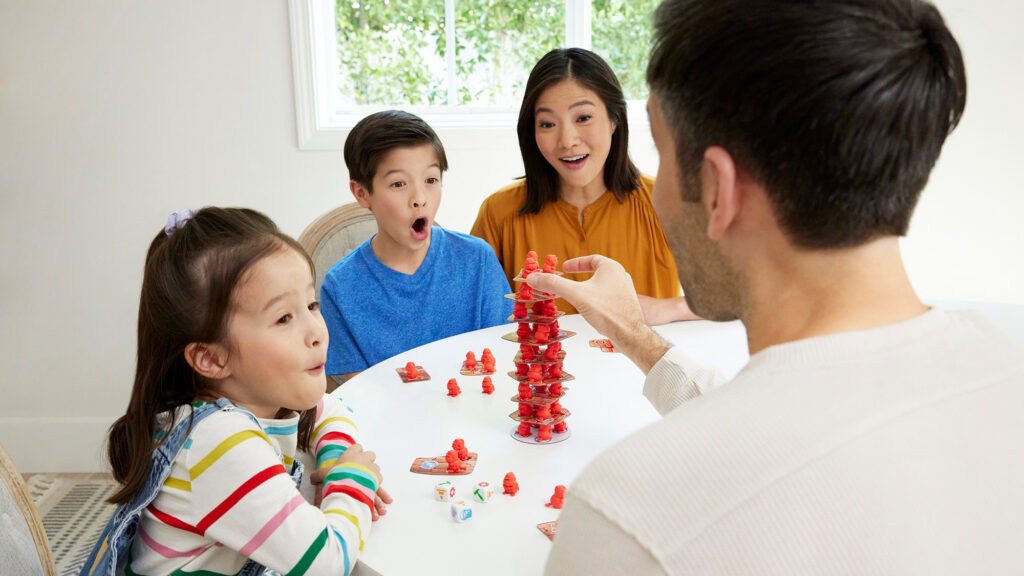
x: 113, y: 113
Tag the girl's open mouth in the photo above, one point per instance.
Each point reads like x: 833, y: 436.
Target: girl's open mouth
x: 574, y: 160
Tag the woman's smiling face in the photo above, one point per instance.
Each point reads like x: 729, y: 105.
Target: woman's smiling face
x: 574, y: 133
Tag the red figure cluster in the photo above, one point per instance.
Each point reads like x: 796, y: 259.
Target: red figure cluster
x: 558, y: 498
x: 460, y: 448
x: 454, y: 464
x: 453, y: 388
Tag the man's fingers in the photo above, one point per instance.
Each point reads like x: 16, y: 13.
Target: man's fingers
x: 552, y: 284
x: 583, y: 263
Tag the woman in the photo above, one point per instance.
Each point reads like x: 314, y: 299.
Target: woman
x: 581, y: 194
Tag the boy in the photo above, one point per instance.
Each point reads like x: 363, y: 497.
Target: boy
x: 411, y: 283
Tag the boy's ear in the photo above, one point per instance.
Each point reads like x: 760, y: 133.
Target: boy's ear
x: 208, y: 360
x: 361, y: 194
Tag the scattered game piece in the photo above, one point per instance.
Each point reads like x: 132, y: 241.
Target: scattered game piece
x: 460, y: 446
x: 416, y: 374
x: 453, y: 388
x: 483, y: 492
x: 550, y: 262
x: 488, y: 385
x: 604, y: 344
x: 461, y: 511
x: 548, y: 528
x: 444, y: 490
x: 510, y: 485
x: 438, y: 465
x: 558, y: 498
x: 455, y: 464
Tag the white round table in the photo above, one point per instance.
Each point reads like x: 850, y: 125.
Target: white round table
x: 403, y: 421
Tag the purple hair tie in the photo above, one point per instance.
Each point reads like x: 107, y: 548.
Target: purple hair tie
x: 177, y: 219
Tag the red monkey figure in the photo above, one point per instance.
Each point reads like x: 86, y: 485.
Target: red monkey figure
x: 558, y: 498
x: 411, y: 371
x: 453, y: 388
x: 460, y: 446
x: 488, y: 385
x: 470, y: 360
x: 510, y: 484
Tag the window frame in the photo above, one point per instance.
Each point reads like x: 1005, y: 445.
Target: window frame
x: 323, y: 123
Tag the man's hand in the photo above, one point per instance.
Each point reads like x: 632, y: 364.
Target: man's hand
x: 608, y: 302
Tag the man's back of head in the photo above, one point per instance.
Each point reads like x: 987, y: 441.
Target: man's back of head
x: 838, y: 108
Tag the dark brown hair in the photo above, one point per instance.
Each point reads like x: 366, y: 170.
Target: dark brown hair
x: 621, y: 176
x: 381, y: 132
x: 187, y: 287
x: 839, y: 109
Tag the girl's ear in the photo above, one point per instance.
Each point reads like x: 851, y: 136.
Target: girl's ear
x: 208, y: 360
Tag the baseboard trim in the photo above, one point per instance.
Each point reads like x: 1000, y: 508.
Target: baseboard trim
x: 56, y: 444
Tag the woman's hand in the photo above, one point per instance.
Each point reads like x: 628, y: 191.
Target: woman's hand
x: 658, y: 311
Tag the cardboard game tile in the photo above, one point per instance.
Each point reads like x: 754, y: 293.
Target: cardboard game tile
x: 477, y: 370
x: 538, y: 358
x: 562, y: 335
x: 604, y: 344
x: 546, y: 382
x: 519, y: 277
x: 549, y: 529
x: 540, y: 399
x: 549, y: 422
x: 439, y: 466
x: 536, y: 318
x: 421, y: 376
x: 538, y: 296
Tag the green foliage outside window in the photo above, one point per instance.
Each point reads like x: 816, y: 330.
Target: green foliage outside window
x: 392, y: 52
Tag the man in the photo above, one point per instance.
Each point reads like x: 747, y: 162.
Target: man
x: 869, y: 434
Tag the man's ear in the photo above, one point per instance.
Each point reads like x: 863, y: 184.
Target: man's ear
x: 361, y: 194
x: 721, y: 196
x: 208, y: 360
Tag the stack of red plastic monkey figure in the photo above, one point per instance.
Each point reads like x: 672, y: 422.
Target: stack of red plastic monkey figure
x: 539, y: 361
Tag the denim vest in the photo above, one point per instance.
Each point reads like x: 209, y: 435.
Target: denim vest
x: 111, y: 553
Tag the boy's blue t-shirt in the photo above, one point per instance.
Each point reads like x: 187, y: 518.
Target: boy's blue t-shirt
x: 373, y: 312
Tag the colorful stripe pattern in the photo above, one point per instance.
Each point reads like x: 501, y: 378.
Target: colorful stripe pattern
x: 230, y: 497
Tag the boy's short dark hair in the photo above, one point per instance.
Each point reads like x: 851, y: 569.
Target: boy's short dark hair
x: 381, y: 132
x: 839, y: 108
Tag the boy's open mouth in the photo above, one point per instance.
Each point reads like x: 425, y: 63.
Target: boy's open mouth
x: 574, y: 159
x: 419, y: 225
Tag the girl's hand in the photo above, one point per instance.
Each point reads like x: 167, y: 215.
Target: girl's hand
x: 379, y: 508
x: 356, y: 455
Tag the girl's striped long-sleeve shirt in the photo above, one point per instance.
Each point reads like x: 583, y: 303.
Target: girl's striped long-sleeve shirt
x: 230, y: 498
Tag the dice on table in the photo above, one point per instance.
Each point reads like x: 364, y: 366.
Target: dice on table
x: 461, y: 511
x: 444, y: 491
x: 483, y: 492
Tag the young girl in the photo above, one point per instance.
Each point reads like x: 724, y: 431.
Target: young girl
x: 231, y: 347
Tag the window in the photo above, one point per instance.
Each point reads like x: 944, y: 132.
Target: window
x: 352, y: 57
